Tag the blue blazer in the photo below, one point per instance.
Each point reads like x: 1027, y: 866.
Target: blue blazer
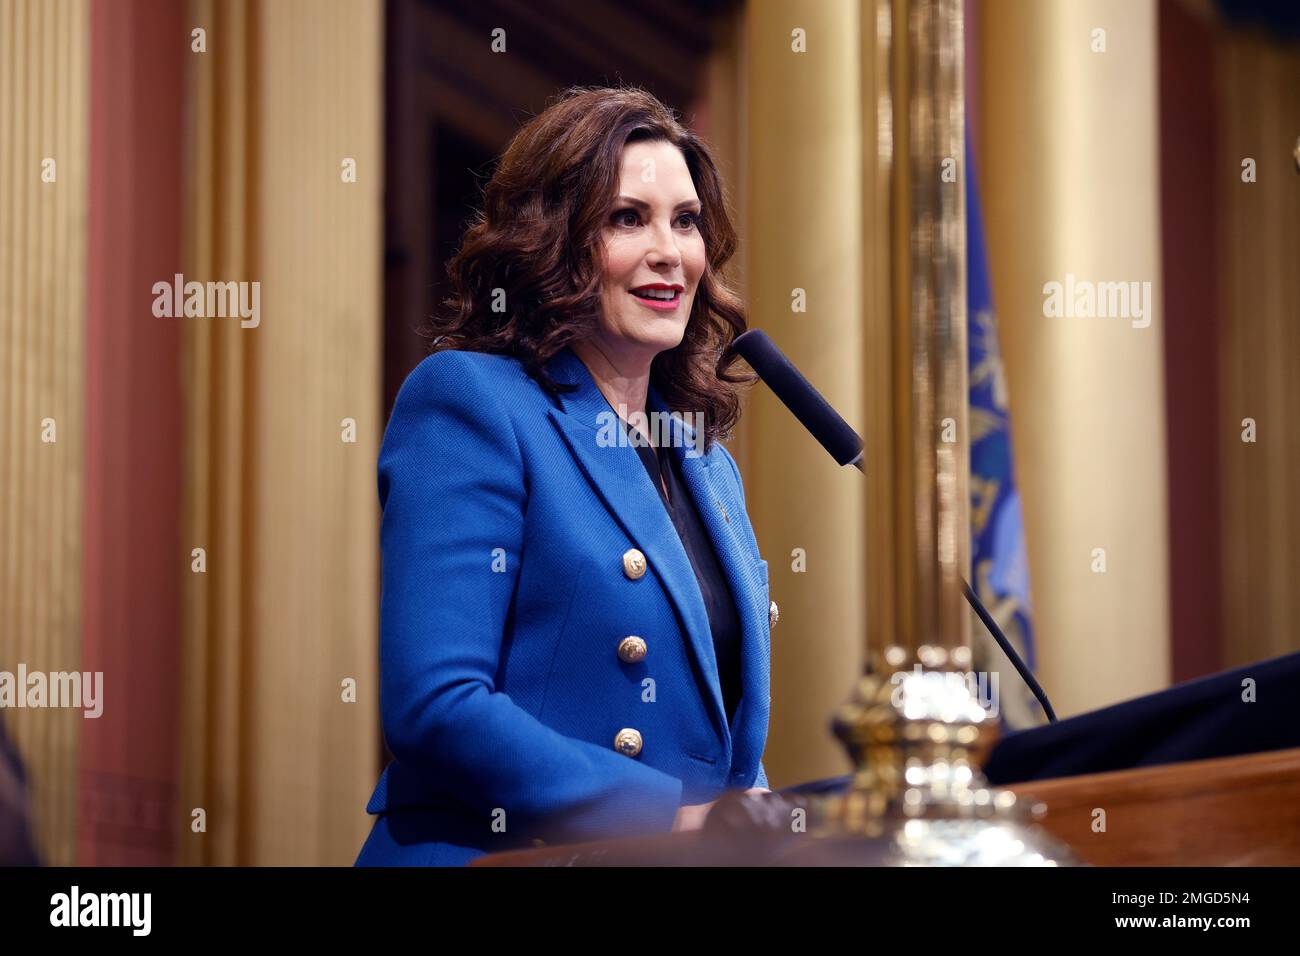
x: 506, y: 594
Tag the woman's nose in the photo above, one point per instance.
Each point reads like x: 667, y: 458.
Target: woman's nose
x: 663, y: 246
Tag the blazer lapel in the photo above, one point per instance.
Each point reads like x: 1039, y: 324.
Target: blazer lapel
x: 615, y: 471
x: 722, y: 514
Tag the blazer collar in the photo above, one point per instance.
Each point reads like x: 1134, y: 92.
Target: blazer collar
x: 616, y: 472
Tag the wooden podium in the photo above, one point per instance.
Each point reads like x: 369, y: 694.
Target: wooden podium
x: 1232, y: 811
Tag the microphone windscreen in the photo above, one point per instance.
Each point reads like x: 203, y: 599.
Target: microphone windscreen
x: 798, y: 395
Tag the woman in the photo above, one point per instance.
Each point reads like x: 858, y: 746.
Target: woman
x: 575, y: 624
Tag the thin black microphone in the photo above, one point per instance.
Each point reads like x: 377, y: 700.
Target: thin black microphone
x: 846, y: 447
x: 797, y: 394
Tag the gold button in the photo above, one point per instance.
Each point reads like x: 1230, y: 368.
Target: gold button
x: 633, y: 563
x: 773, y: 615
x: 628, y: 741
x: 631, y: 650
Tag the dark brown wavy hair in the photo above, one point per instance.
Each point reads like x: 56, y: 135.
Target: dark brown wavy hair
x: 538, y: 238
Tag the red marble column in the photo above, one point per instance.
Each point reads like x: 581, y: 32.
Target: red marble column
x: 133, y: 555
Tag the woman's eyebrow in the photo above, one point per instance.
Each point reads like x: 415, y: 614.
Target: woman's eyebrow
x: 642, y: 204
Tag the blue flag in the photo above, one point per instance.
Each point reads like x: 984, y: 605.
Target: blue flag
x: 999, y: 565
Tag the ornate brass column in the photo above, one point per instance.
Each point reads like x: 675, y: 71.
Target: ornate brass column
x: 914, y: 725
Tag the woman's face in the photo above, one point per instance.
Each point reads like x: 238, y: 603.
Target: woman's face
x: 651, y: 238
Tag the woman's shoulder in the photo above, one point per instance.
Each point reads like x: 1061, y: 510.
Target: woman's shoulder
x: 455, y: 408
x: 455, y: 378
x: 459, y: 395
x: 453, y: 366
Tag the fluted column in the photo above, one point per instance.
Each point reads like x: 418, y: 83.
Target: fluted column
x: 44, y: 146
x: 284, y: 425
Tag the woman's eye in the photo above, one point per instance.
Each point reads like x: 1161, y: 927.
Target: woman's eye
x: 630, y: 217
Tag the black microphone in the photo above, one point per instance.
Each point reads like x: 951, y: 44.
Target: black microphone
x: 797, y: 394
x: 846, y: 447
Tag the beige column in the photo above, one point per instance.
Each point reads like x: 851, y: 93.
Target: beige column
x: 803, y: 215
x: 284, y: 425
x: 1069, y: 170
x: 44, y: 147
